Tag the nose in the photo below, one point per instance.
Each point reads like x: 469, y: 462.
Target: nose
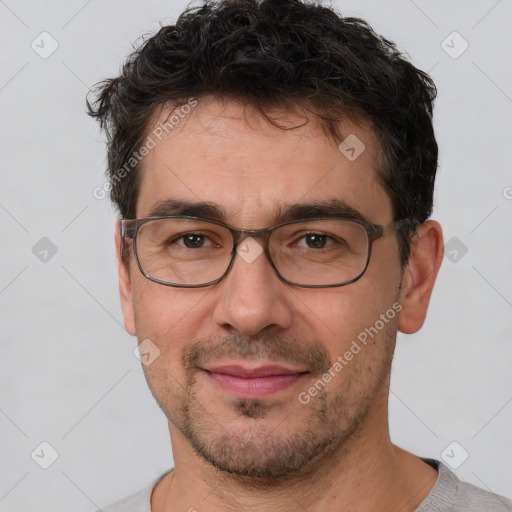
x: 252, y: 296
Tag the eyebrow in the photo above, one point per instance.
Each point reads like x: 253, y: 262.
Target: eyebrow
x: 329, y: 208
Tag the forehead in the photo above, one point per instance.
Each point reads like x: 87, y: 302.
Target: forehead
x: 227, y: 154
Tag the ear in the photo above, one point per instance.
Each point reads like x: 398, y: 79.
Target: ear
x: 427, y: 252
x: 125, y: 287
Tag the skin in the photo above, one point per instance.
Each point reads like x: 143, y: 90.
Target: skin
x: 335, y: 452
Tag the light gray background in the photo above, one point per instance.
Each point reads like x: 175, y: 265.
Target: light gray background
x: 68, y: 373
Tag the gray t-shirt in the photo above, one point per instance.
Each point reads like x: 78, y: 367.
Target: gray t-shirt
x: 448, y: 495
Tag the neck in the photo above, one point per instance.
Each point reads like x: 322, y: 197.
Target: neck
x: 367, y: 473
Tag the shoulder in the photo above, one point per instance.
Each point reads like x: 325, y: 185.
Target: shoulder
x: 452, y: 495
x: 137, y: 502
x: 474, y: 499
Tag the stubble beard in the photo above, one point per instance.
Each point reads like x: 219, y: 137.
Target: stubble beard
x: 262, y: 455
x: 267, y: 455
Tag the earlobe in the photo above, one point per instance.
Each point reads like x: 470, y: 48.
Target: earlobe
x: 125, y: 287
x: 420, y: 275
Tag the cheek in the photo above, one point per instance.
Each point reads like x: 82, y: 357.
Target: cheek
x: 167, y: 316
x: 341, y: 316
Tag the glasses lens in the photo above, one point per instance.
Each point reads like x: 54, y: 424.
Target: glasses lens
x: 320, y: 252
x: 184, y: 251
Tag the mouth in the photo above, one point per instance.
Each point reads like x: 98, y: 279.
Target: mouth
x: 253, y: 383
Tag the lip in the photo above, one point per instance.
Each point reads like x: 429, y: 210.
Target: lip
x: 258, y: 382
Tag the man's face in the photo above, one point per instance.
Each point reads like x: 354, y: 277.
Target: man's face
x: 210, y: 339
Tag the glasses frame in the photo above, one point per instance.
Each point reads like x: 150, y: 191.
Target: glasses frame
x: 130, y: 229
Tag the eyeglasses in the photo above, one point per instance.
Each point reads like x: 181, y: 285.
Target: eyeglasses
x: 191, y: 252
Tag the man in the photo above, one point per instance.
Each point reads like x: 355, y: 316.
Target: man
x: 273, y: 164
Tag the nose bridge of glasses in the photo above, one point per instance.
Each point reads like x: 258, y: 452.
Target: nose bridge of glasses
x: 239, y: 235
x: 251, y: 253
